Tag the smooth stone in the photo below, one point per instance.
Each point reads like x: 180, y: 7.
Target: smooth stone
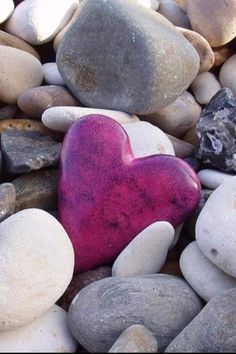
x: 36, y: 266
x: 216, y: 132
x: 221, y: 55
x: 204, y: 87
x: 212, y: 179
x: 51, y: 74
x: 177, y: 118
x: 146, y: 253
x: 146, y: 140
x: 213, y: 19
x: 7, y: 200
x: 212, y: 330
x: 228, y: 74
x: 9, y: 40
x: 7, y: 7
x: 191, y: 137
x: 103, y: 187
x: 19, y: 71
x: 25, y: 151
x: 61, y: 118
x: 47, y: 334
x: 38, y: 21
x: 80, y: 281
x: 203, y: 276
x: 102, y: 311
x: 7, y: 111
x: 182, y: 149
x: 174, y: 13
x: 135, y: 339
x: 151, y: 4
x: 215, y: 228
x: 203, y: 48
x: 36, y: 190
x: 90, y: 61
x: 35, y: 101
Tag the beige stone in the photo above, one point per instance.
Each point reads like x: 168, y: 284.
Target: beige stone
x: 182, y: 148
x: 228, y: 74
x: 191, y: 137
x: 221, y: 55
x: 204, y: 87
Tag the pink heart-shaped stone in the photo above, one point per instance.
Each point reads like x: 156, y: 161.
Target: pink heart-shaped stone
x: 107, y: 197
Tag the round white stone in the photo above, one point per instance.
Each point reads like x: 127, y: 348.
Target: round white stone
x: 47, y: 334
x: 36, y: 266
x: 203, y: 276
x: 6, y: 9
x: 216, y: 225
x: 146, y: 253
x: 212, y: 179
x: 205, y: 86
x: 146, y: 140
x: 51, y: 74
x: 228, y: 74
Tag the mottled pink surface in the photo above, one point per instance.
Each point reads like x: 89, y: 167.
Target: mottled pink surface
x: 107, y: 197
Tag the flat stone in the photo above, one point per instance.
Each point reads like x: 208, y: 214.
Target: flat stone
x: 7, y: 111
x: 51, y: 74
x: 212, y: 179
x: 102, y: 311
x: 7, y: 200
x: 105, y: 72
x: 36, y: 190
x: 25, y: 151
x: 174, y: 13
x: 228, y: 74
x: 204, y: 87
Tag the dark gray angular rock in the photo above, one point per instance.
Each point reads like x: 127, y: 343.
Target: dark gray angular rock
x: 217, y: 132
x: 7, y: 200
x: 25, y: 151
x: 164, y: 304
x: 212, y: 331
x: 119, y: 55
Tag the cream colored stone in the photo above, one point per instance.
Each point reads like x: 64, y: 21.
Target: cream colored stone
x: 204, y: 87
x: 6, y: 9
x: 228, y: 74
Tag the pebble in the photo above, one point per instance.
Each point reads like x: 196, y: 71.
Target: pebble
x: 61, y: 118
x: 146, y: 140
x: 221, y: 55
x: 47, y: 334
x: 174, y: 13
x: 146, y: 253
x: 182, y: 149
x: 150, y: 4
x: 204, y: 87
x: 212, y: 330
x: 7, y: 200
x: 177, y: 235
x: 215, y: 228
x: 202, y: 275
x: 19, y: 71
x: 36, y: 190
x: 7, y: 7
x: 7, y: 111
x: 212, y: 179
x: 86, y: 53
x: 30, y: 19
x: 228, y: 74
x: 102, y: 311
x: 51, y: 74
x: 35, y: 101
x: 177, y: 118
x: 214, y: 20
x: 135, y: 339
x: 25, y: 151
x: 191, y: 137
x: 117, y: 198
x: 36, y: 266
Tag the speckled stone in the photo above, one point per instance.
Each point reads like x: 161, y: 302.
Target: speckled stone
x: 7, y: 200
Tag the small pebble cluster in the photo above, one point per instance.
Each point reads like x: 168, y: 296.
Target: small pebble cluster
x: 118, y: 176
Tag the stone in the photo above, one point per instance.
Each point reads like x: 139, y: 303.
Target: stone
x: 177, y: 235
x: 51, y: 74
x: 7, y: 200
x: 203, y: 48
x: 35, y: 101
x: 146, y: 253
x: 47, y: 334
x: 26, y: 151
x: 204, y: 87
x: 212, y: 330
x: 103, y: 187
x: 177, y: 118
x: 135, y: 339
x: 104, y: 71
x: 36, y: 190
x: 215, y: 228
x: 221, y: 55
x: 7, y: 7
x: 38, y: 21
x: 212, y: 179
x: 203, y: 276
x: 102, y: 311
x: 61, y: 118
x: 182, y: 149
x: 216, y: 132
x: 191, y: 137
x: 19, y: 71
x: 7, y: 111
x: 228, y: 74
x: 151, y: 4
x: 213, y: 19
x: 36, y: 266
x: 146, y: 140
x: 174, y: 13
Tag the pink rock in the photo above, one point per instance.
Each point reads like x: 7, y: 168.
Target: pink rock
x: 107, y: 197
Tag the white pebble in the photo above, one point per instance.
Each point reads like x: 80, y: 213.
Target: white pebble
x: 6, y: 9
x: 212, y: 179
x: 51, y: 74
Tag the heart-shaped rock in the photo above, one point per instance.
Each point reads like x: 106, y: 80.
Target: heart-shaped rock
x: 107, y: 197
